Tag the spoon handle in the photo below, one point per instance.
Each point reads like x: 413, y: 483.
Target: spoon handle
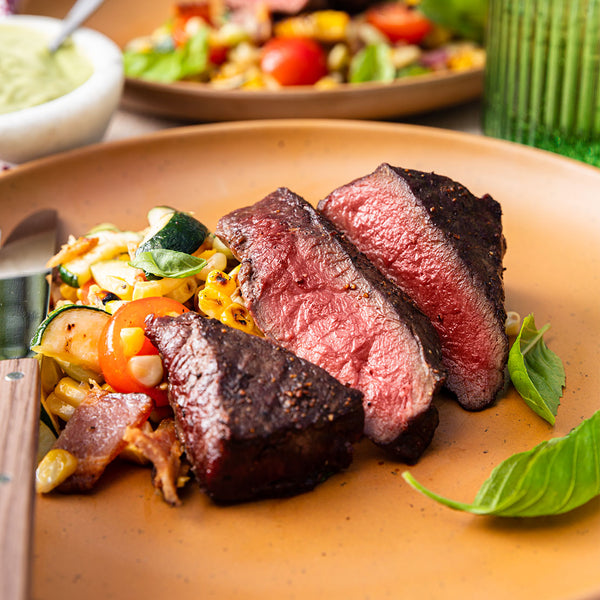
x: 79, y: 13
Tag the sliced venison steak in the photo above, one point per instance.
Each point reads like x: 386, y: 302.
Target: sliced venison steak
x: 256, y: 421
x: 444, y: 247
x: 315, y: 294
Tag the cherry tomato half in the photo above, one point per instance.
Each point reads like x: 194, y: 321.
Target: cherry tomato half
x: 113, y: 360
x: 294, y: 61
x: 399, y: 22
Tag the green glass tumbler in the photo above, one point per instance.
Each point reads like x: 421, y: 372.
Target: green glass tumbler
x: 542, y: 79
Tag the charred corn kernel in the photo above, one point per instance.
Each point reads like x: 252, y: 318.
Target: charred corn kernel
x: 71, y: 391
x: 148, y: 369
x: 53, y: 469
x: 69, y: 293
x: 238, y: 316
x: 218, y: 261
x: 59, y: 407
x: 221, y: 281
x: 212, y: 302
x: 512, y: 324
x: 185, y: 291
x: 132, y: 340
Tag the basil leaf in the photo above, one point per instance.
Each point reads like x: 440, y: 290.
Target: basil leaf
x: 169, y: 64
x: 536, y: 372
x: 168, y: 263
x: 372, y: 63
x: 553, y: 478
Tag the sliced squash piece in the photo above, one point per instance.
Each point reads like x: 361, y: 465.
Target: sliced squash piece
x: 70, y: 335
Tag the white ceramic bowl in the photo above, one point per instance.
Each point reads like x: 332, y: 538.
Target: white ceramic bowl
x: 76, y: 119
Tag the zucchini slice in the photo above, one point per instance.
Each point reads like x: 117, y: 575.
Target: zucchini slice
x: 173, y: 230
x: 77, y: 272
x: 115, y: 276
x: 70, y: 335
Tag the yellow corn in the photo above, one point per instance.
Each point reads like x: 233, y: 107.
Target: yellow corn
x: 185, y: 291
x: 212, y: 302
x: 68, y: 292
x: 53, y: 469
x: 217, y: 261
x: 221, y: 281
x: 512, y: 325
x: 71, y: 391
x: 323, y: 25
x: 59, y: 407
x: 155, y: 287
x: 147, y: 369
x: 236, y: 315
x: 50, y: 374
x: 132, y: 340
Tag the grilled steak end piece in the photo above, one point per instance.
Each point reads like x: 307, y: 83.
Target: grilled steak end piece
x: 311, y: 291
x: 444, y: 247
x: 256, y: 421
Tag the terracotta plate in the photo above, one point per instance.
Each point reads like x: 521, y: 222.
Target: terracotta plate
x: 364, y: 533
x: 123, y: 20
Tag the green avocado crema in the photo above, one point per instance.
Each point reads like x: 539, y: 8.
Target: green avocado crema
x: 30, y: 74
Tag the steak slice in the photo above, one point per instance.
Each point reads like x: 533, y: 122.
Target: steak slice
x: 95, y: 433
x: 444, y: 247
x: 315, y: 294
x: 256, y: 421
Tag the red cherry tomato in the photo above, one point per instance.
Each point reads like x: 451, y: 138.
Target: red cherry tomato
x: 399, y: 22
x: 113, y: 361
x: 294, y: 61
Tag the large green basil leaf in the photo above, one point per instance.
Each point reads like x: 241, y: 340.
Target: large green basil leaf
x: 536, y: 372
x: 169, y: 64
x: 372, y: 63
x: 554, y: 477
x: 168, y: 263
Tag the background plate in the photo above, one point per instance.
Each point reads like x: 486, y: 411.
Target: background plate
x: 363, y: 533
x: 123, y: 20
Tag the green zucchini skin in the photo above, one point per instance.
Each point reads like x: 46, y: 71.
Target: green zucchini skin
x: 70, y: 335
x: 175, y: 231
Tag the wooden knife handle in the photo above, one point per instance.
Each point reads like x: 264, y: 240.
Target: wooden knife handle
x: 19, y: 429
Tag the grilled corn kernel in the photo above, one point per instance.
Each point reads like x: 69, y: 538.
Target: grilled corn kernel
x: 146, y: 369
x: 221, y: 281
x: 216, y: 261
x: 71, y: 391
x: 50, y: 374
x: 212, y: 302
x: 236, y: 315
x: 59, y: 407
x: 53, y: 469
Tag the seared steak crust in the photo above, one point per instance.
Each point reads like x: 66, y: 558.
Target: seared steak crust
x: 313, y: 292
x: 256, y: 421
x: 444, y: 247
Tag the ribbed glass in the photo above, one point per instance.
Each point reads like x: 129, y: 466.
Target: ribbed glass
x: 542, y: 82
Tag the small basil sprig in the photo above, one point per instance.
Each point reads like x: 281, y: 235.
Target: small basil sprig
x: 554, y: 477
x: 168, y: 263
x: 536, y: 372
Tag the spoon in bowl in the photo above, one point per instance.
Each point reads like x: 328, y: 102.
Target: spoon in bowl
x: 79, y: 13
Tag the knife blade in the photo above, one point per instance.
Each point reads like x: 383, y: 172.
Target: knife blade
x: 24, y: 297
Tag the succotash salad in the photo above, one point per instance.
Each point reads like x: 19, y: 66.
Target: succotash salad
x: 104, y: 285
x: 253, y: 49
